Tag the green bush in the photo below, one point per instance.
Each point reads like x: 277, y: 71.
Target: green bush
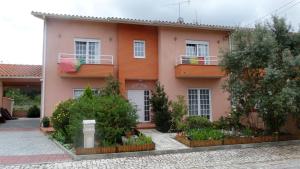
x: 59, y: 136
x: 112, y: 87
x: 197, y: 122
x: 160, y: 106
x: 222, y: 123
x: 83, y: 108
x: 247, y: 132
x: 46, y: 122
x: 60, y: 118
x: 33, y: 111
x: 179, y: 109
x: 140, y: 140
x: 205, y: 134
x: 114, y: 116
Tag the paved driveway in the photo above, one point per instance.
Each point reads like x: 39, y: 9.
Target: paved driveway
x: 22, y: 142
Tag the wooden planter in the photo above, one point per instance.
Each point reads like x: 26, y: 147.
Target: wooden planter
x: 95, y: 150
x: 286, y: 137
x: 132, y: 148
x: 198, y: 143
x: 237, y: 140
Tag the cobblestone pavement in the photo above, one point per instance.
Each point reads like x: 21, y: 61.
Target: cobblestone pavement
x: 262, y: 157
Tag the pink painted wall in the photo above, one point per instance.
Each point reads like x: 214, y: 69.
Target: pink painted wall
x: 60, y: 38
x: 171, y: 44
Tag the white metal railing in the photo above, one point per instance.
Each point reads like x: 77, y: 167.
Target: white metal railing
x: 197, y: 60
x: 85, y: 59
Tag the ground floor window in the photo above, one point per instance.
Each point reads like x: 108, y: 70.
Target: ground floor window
x: 147, y: 105
x: 199, y: 102
x: 78, y: 92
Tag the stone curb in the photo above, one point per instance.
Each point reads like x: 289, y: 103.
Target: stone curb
x: 69, y: 152
x: 187, y: 150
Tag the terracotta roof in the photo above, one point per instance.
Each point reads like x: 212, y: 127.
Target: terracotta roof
x: 20, y: 71
x: 43, y: 15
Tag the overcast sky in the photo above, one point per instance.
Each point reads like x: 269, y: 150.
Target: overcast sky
x: 21, y: 33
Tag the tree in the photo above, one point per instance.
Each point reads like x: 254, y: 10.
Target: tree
x: 160, y: 106
x: 263, y: 72
x: 112, y: 87
x: 179, y: 109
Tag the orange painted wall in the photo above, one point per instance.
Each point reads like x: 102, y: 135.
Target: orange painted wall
x: 131, y: 68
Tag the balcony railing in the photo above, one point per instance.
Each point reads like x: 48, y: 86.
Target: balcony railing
x: 85, y: 59
x: 197, y: 60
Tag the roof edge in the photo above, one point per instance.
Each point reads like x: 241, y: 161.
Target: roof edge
x: 43, y: 15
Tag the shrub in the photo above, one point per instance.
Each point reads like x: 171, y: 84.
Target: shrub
x: 160, y: 106
x: 222, y: 123
x: 205, y: 134
x: 197, y: 122
x: 59, y: 136
x: 114, y: 116
x: 179, y: 109
x: 246, y: 132
x: 60, y: 118
x: 140, y: 140
x: 33, y: 111
x: 112, y: 87
x: 83, y: 108
x: 46, y: 122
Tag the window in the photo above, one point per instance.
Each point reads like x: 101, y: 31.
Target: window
x: 79, y: 92
x: 147, y: 105
x: 197, y: 48
x: 139, y: 49
x: 199, y: 102
x: 87, y: 51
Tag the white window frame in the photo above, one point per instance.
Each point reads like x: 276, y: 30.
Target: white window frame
x: 198, y: 100
x: 87, y: 48
x: 195, y: 42
x: 144, y: 50
x: 82, y: 90
x: 149, y: 97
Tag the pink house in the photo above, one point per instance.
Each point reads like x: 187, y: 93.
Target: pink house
x: 81, y: 51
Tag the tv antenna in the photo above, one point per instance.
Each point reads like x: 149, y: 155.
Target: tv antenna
x: 180, y: 19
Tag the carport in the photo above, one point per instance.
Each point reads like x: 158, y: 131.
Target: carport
x: 18, y: 76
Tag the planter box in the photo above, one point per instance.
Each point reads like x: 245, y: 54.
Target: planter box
x: 237, y: 140
x: 95, y: 150
x: 286, y: 137
x: 198, y: 143
x: 131, y: 148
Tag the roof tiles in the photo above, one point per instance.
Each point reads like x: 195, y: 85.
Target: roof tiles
x: 20, y: 71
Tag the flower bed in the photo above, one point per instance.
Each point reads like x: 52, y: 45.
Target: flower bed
x: 233, y: 140
x: 114, y: 149
x: 132, y: 148
x: 198, y: 143
x: 95, y: 150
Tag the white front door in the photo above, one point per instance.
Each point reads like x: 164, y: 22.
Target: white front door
x: 136, y: 97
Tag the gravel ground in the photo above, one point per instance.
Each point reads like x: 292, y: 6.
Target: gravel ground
x: 261, y: 157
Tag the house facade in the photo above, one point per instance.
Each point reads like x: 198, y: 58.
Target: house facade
x: 82, y: 51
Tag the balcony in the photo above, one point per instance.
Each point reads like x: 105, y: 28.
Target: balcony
x: 85, y: 66
x: 198, y: 67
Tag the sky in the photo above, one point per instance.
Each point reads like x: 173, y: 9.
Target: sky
x: 21, y: 33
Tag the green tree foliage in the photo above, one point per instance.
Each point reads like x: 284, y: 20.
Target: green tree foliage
x: 160, y: 106
x: 16, y: 94
x: 263, y: 72
x: 61, y: 119
x: 114, y: 116
x: 179, y: 109
x: 112, y: 87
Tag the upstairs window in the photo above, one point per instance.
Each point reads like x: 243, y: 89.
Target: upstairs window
x: 87, y: 51
x: 197, y: 48
x: 139, y: 49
